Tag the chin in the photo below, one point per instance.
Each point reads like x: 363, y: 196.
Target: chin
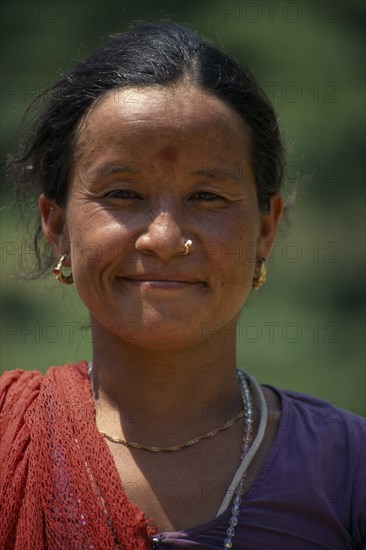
x: 160, y: 335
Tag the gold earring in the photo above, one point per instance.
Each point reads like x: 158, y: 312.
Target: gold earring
x: 259, y: 274
x: 66, y: 279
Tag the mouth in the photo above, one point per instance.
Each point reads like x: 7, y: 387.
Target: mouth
x: 162, y: 282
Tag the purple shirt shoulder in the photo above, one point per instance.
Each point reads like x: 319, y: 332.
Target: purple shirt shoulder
x: 309, y: 495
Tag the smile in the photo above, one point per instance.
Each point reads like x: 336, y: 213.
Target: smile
x: 148, y: 282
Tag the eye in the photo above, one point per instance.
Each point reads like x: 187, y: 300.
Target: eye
x: 121, y: 194
x: 206, y: 196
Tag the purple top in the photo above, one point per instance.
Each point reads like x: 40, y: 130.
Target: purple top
x: 310, y: 494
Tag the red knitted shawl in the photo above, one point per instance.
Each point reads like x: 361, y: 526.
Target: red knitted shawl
x: 58, y: 481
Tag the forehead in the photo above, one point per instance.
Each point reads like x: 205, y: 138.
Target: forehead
x: 161, y: 117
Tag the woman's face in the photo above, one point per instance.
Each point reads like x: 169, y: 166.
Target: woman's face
x: 153, y: 168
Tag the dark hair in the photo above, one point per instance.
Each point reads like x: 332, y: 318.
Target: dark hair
x: 147, y: 54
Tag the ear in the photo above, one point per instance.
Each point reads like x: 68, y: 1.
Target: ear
x: 268, y: 226
x: 54, y: 226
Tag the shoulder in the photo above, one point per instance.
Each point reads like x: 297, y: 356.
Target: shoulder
x: 320, y: 457
x: 23, y: 392
x: 314, y: 431
x: 28, y: 410
x: 19, y: 388
x: 314, y: 417
x: 335, y: 435
x: 314, y: 479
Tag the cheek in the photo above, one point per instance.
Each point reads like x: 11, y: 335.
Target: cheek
x: 97, y: 243
x: 234, y: 245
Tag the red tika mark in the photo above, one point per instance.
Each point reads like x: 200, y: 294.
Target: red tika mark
x: 168, y: 153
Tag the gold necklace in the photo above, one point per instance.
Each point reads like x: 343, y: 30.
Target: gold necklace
x: 174, y: 447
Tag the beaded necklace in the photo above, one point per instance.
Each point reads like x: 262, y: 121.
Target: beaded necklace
x: 247, y: 455
x: 248, y: 429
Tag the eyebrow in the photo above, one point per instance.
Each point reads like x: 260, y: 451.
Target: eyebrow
x: 235, y: 174
x: 103, y: 170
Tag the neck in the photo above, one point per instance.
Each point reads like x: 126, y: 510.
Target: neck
x: 164, y: 391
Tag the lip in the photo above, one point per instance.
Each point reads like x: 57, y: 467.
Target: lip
x: 162, y: 281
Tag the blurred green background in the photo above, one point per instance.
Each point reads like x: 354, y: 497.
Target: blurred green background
x: 304, y: 330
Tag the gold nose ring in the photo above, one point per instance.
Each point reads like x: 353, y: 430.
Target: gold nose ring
x: 187, y: 246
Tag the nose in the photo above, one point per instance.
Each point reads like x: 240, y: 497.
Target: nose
x: 164, y: 236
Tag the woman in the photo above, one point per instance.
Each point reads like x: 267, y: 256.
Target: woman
x: 156, y: 156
